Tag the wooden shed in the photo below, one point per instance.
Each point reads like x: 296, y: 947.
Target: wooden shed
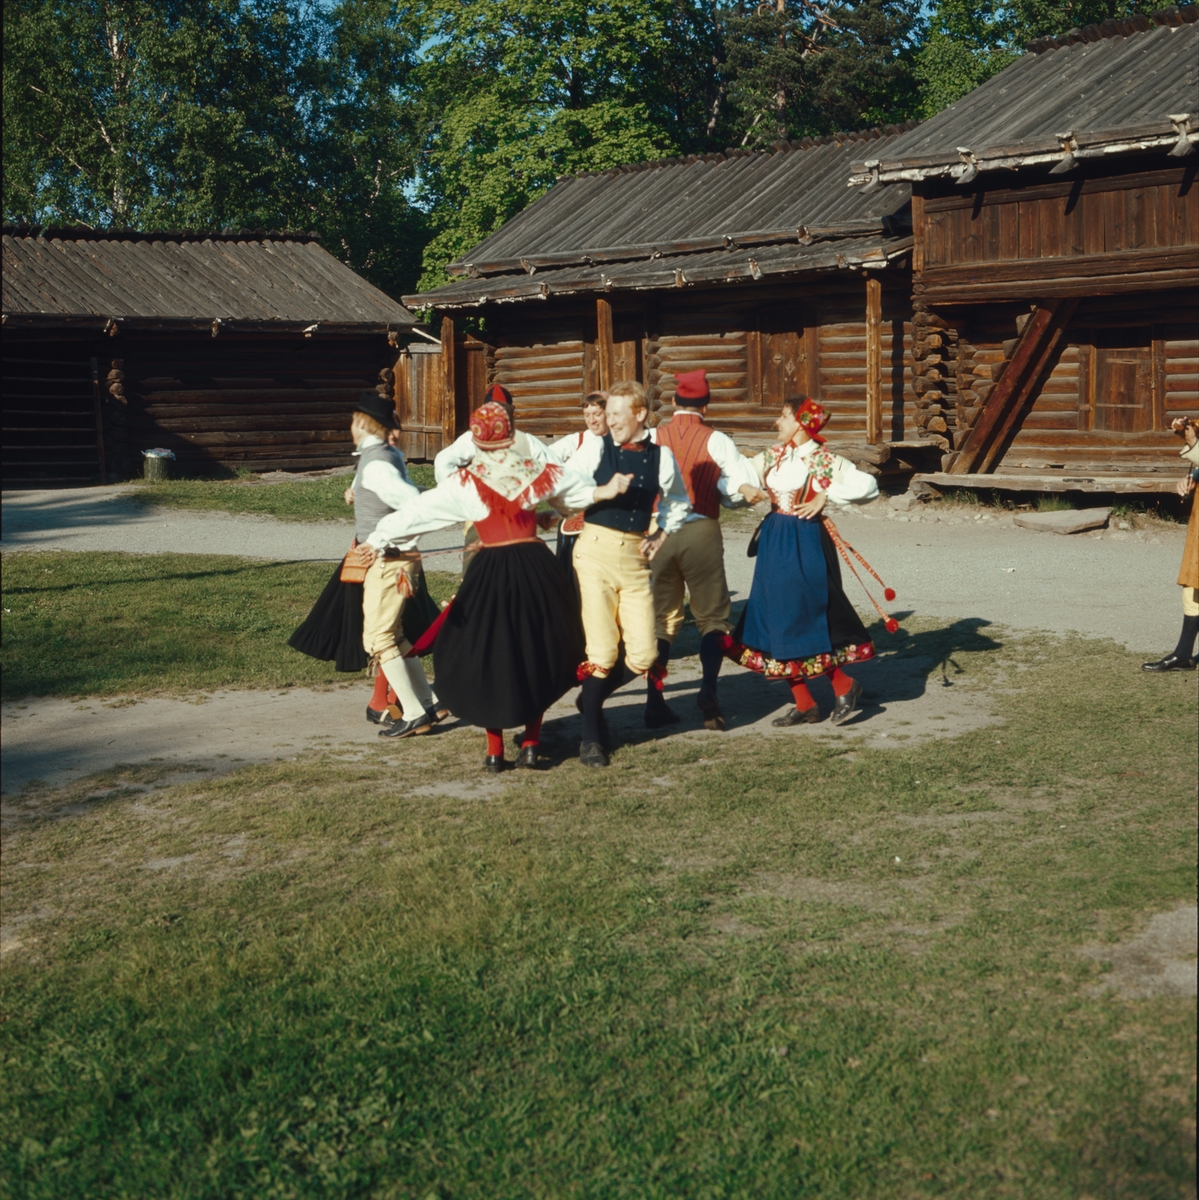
x: 763, y: 268
x: 1056, y: 261
x: 235, y: 350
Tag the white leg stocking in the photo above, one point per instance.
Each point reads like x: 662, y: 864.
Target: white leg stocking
x: 396, y: 670
x: 420, y: 685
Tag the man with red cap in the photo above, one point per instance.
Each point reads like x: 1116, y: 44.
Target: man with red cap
x: 692, y: 559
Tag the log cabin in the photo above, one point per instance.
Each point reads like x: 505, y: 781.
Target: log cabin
x: 1055, y: 264
x: 762, y: 267
x: 234, y: 350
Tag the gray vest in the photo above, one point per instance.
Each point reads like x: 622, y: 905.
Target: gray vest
x: 369, y: 509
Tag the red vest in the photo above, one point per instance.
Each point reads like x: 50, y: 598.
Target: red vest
x: 687, y: 440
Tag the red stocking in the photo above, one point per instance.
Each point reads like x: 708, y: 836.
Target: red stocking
x: 379, y: 695
x: 495, y: 743
x: 840, y: 681
x: 532, y: 733
x: 803, y: 698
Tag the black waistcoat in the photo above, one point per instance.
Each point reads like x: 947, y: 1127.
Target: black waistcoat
x: 630, y: 512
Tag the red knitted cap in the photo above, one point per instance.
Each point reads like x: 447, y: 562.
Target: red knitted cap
x: 691, y: 388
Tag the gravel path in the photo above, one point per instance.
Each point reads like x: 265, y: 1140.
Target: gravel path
x: 945, y: 564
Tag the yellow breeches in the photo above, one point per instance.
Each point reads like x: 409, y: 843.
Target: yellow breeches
x: 617, y: 603
x: 691, y: 560
x: 388, y: 583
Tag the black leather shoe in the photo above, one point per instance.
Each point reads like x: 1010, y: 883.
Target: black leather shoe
x: 658, y: 713
x: 707, y: 703
x: 403, y: 729
x: 380, y: 716
x: 846, y: 704
x: 494, y: 764
x: 527, y: 758
x: 592, y: 754
x: 796, y: 716
x: 1170, y: 663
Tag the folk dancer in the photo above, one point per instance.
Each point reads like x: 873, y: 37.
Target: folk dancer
x: 692, y: 559
x: 512, y: 639
x: 595, y: 425
x: 460, y: 452
x: 1182, y: 658
x: 613, y: 553
x: 381, y: 487
x: 798, y: 623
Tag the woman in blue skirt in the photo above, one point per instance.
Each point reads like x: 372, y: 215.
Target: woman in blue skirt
x: 798, y: 623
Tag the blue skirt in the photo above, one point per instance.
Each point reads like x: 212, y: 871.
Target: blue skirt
x: 798, y: 621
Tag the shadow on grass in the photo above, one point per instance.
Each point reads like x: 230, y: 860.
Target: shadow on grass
x: 909, y: 664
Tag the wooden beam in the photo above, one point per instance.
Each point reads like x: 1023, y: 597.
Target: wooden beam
x: 874, y: 360
x: 448, y: 412
x: 1033, y: 351
x: 1062, y: 482
x: 604, y: 348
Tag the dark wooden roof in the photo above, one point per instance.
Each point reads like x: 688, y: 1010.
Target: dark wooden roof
x: 1120, y: 87
x: 277, y: 282
x: 711, y: 218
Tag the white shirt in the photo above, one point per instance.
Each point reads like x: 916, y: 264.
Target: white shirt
x: 392, y: 486
x: 734, y: 469
x: 457, y: 500
x: 673, y: 502
x: 459, y: 453
x: 788, y: 478
x: 565, y: 448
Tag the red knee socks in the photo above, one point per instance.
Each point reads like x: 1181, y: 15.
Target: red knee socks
x: 379, y: 695
x: 495, y: 743
x: 840, y: 681
x: 532, y: 734
x: 803, y: 698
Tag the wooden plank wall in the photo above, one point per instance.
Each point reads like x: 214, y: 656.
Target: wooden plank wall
x: 49, y: 422
x: 253, y: 403
x: 1063, y: 219
x: 1056, y: 431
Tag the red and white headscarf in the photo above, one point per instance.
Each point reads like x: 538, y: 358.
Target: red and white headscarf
x: 491, y: 427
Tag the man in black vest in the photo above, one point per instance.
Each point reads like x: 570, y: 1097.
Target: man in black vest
x: 612, y: 555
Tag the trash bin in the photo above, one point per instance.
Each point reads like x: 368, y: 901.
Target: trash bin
x: 157, y: 465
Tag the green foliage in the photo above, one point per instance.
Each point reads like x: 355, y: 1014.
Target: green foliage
x: 969, y: 41
x: 217, y: 113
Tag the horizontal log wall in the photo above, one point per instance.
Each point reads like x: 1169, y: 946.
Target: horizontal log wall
x: 756, y: 345
x: 252, y: 404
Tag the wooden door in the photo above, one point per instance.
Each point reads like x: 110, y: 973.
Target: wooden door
x: 783, y: 372
x: 420, y: 401
x: 1122, y: 380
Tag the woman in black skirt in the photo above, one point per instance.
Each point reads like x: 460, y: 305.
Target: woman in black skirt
x: 512, y: 640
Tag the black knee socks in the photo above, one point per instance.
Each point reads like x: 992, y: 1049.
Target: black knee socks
x: 594, y: 692
x: 1186, y: 642
x: 651, y: 689
x: 711, y: 655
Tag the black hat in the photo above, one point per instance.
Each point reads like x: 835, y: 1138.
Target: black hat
x: 378, y: 409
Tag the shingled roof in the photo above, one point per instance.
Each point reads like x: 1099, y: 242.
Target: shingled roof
x: 277, y: 282
x: 1120, y: 87
x: 728, y: 217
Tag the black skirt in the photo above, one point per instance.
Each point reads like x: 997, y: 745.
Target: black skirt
x: 332, y: 631
x: 513, y: 640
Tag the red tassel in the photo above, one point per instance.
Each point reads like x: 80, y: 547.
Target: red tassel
x: 656, y: 675
x: 845, y: 550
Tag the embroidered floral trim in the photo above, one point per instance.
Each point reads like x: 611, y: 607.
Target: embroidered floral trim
x: 806, y: 668
x: 521, y: 480
x: 821, y: 464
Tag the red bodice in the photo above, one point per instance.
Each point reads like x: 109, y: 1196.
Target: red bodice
x: 507, y: 521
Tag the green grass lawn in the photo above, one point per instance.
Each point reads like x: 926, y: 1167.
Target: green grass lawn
x: 729, y: 966
x: 135, y: 624
x: 299, y: 500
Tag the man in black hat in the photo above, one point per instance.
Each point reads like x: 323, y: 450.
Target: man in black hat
x: 381, y: 486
